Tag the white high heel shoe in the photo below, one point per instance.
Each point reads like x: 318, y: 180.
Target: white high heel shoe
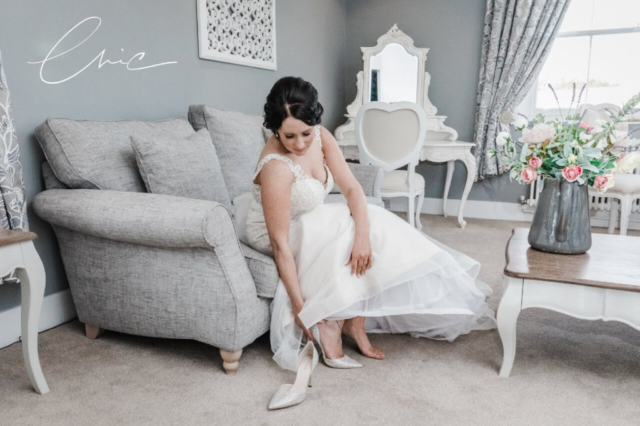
x: 344, y: 362
x: 289, y: 395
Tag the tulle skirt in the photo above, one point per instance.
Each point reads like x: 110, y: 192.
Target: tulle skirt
x: 415, y: 285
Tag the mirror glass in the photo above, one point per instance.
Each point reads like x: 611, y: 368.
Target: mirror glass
x: 394, y: 75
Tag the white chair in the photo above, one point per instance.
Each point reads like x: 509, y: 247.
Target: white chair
x: 627, y: 191
x: 391, y: 136
x: 627, y: 187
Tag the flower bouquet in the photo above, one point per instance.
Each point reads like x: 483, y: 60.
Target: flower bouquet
x: 569, y: 155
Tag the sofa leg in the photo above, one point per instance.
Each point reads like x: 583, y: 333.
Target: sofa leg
x: 92, y: 331
x: 230, y: 360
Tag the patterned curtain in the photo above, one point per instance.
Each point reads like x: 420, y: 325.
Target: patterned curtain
x: 518, y: 35
x: 13, y: 206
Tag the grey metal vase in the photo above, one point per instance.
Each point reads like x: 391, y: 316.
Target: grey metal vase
x: 561, y: 223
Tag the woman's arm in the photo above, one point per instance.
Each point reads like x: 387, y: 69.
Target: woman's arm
x: 276, y: 179
x: 352, y: 191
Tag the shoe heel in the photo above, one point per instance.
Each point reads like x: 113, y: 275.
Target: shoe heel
x: 310, y: 384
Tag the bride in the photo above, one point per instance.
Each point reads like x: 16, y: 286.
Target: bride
x: 346, y: 269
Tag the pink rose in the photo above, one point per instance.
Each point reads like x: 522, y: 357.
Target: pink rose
x: 535, y: 162
x: 529, y: 175
x: 603, y: 182
x: 571, y: 173
x: 586, y: 127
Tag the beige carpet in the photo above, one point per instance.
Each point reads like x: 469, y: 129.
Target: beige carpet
x: 566, y: 372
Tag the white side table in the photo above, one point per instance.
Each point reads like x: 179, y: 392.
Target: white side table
x: 437, y: 151
x: 18, y: 253
x: 602, y: 284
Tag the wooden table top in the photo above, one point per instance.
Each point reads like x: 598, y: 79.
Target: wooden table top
x: 8, y: 237
x: 612, y: 262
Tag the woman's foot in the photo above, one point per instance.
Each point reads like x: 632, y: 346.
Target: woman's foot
x: 331, y: 338
x: 354, y: 328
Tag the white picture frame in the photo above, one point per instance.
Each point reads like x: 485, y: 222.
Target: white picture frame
x: 226, y: 21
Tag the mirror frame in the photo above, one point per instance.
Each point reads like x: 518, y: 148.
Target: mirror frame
x: 345, y: 133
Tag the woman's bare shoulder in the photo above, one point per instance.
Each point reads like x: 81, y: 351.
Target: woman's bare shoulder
x: 277, y: 170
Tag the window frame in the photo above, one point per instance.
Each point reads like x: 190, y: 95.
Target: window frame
x: 528, y: 105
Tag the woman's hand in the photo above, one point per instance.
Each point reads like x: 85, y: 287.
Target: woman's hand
x: 297, y: 307
x: 360, y: 254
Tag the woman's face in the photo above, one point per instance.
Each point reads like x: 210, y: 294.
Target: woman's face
x: 295, y: 135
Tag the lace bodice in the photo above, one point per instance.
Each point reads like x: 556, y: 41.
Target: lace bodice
x: 306, y: 192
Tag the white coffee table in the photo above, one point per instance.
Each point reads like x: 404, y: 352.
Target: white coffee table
x: 18, y: 253
x: 602, y: 284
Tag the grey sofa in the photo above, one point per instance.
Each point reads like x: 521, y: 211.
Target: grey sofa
x: 149, y: 264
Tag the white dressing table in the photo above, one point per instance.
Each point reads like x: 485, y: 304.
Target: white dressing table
x: 394, y: 71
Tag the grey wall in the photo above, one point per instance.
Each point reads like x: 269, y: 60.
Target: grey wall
x: 452, y: 30
x: 317, y: 39
x: 310, y: 43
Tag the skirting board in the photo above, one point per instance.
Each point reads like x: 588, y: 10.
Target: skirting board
x: 57, y: 308
x: 495, y: 210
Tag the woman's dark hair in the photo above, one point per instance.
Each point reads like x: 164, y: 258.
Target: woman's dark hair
x: 292, y: 97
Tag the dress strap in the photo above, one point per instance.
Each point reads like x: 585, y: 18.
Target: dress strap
x: 296, y: 169
x: 318, y: 138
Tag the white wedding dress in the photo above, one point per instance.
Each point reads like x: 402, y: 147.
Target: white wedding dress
x: 415, y: 285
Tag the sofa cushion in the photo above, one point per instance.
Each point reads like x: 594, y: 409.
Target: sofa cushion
x: 184, y: 167
x: 50, y: 179
x: 98, y: 154
x: 263, y: 269
x: 241, y: 206
x: 239, y: 139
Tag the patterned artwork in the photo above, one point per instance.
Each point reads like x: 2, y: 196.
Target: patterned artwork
x: 238, y: 31
x: 13, y: 206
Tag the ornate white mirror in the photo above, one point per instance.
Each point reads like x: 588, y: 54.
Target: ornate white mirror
x: 393, y: 71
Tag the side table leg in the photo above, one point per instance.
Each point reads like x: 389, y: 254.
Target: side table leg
x: 470, y: 163
x: 451, y: 165
x: 32, y: 283
x: 508, y: 311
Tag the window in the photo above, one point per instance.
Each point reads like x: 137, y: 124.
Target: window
x: 597, y: 43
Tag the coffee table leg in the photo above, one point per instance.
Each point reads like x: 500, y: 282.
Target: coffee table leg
x: 508, y: 311
x: 32, y: 283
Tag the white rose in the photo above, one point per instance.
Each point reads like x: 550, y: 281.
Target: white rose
x: 627, y: 163
x: 520, y: 123
x: 539, y: 133
x: 502, y: 137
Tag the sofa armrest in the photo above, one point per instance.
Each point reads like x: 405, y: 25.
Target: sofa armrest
x: 138, y: 218
x: 370, y: 178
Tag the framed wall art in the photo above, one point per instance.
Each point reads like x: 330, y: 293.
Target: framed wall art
x: 238, y: 31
